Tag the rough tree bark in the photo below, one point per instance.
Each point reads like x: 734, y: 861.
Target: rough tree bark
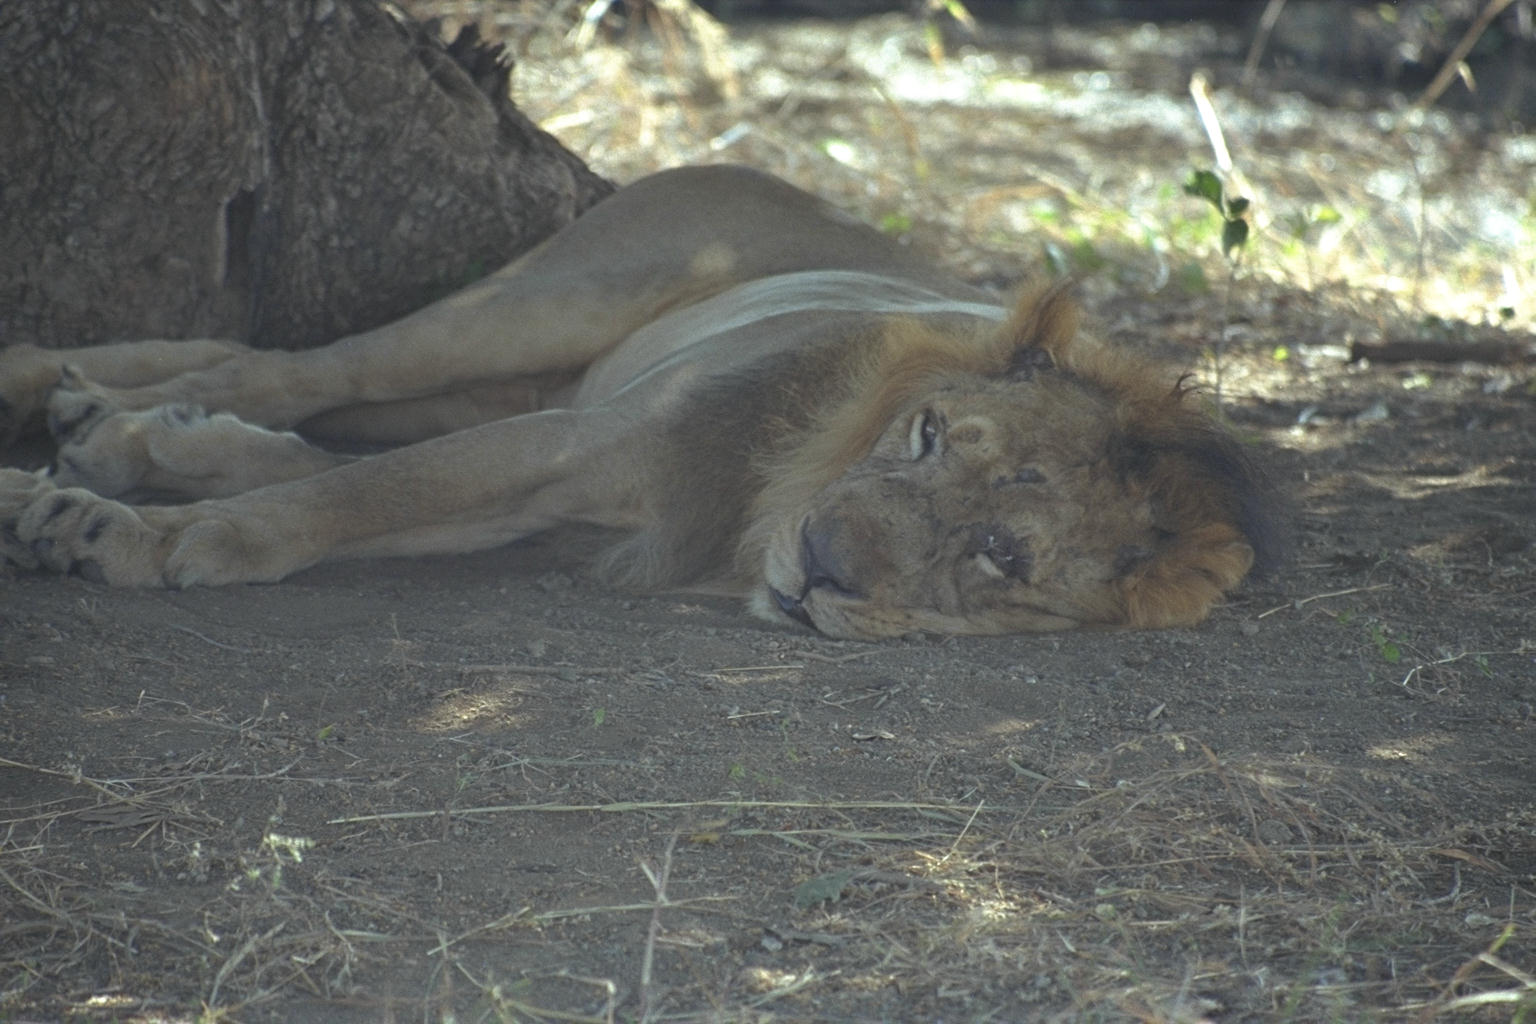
x: 282, y: 172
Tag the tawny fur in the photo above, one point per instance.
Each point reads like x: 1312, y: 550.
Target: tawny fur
x: 1178, y: 588
x: 768, y: 397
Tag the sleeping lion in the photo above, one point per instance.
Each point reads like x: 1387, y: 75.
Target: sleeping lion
x: 765, y: 395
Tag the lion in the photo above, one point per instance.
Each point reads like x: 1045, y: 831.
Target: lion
x: 766, y: 396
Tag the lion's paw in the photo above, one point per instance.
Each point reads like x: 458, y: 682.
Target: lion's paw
x: 73, y: 531
x: 116, y: 454
x: 75, y: 406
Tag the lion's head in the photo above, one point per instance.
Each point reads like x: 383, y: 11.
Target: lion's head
x: 1018, y: 482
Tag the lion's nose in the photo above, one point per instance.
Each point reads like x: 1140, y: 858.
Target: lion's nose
x: 823, y: 546
x: 793, y: 607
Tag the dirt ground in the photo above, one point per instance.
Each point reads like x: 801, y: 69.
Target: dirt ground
x: 487, y: 789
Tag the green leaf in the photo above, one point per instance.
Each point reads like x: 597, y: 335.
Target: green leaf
x: 1236, y: 207
x: 1205, y: 185
x: 822, y: 888
x: 1234, y: 235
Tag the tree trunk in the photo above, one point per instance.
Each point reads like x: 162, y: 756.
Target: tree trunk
x: 282, y: 172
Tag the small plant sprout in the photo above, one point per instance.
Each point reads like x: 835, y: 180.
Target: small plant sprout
x: 1390, y: 652
x: 1206, y: 184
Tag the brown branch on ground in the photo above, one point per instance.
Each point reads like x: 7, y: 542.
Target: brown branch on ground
x: 1493, y: 351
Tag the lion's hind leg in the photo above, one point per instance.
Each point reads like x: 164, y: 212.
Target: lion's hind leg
x: 28, y: 374
x: 179, y: 452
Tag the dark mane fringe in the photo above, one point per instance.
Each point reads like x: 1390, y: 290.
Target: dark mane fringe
x: 1199, y: 477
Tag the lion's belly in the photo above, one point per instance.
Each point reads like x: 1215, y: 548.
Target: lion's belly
x: 762, y: 317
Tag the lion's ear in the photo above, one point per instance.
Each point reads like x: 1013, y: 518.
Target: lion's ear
x: 1042, y: 327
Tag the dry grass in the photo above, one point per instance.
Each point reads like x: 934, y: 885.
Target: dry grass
x: 1409, y: 208
x: 1117, y: 889
x: 262, y: 936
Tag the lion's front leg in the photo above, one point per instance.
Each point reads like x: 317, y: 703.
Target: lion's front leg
x: 468, y: 491
x: 73, y: 531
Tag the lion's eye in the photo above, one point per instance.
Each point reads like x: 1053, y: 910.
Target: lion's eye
x: 924, y: 438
